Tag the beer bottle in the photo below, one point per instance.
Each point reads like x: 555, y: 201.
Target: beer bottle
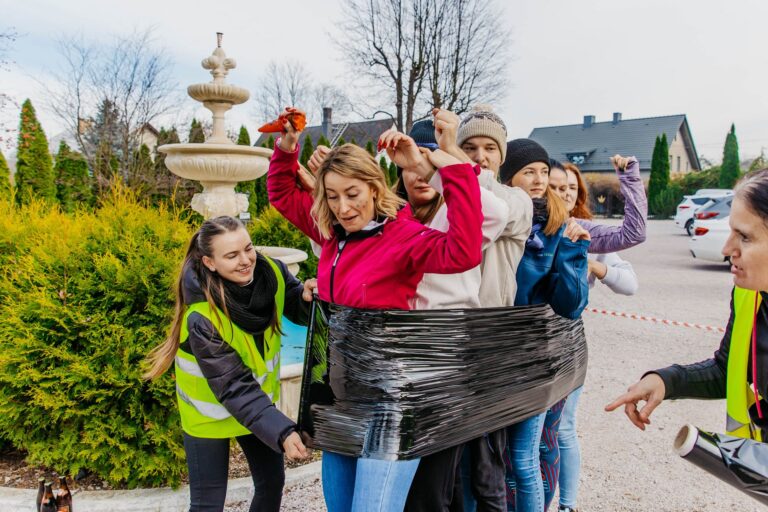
x: 40, y: 492
x: 64, y: 498
x: 49, y: 500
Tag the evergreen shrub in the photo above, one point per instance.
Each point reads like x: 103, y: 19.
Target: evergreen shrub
x: 84, y: 297
x: 271, y: 229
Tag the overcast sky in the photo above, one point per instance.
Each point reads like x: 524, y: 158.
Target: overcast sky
x: 703, y: 58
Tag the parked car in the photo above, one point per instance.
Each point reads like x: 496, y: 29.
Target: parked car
x: 709, y: 238
x: 717, y: 208
x: 690, y: 205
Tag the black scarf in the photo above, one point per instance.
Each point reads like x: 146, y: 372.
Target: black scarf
x: 252, y: 306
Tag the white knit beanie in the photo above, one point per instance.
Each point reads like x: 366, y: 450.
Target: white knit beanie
x: 482, y: 121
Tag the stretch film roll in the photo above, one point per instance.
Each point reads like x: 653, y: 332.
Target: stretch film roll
x: 742, y: 463
x: 405, y: 384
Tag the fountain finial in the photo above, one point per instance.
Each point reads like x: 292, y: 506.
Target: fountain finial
x: 218, y: 63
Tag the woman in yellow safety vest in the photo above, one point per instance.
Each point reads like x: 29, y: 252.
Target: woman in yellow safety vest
x: 739, y: 369
x: 225, y: 343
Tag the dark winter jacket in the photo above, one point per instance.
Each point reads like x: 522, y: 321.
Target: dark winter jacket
x: 707, y: 379
x: 232, y: 382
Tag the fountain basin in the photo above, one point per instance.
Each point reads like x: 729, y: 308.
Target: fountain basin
x: 216, y: 162
x: 225, y: 93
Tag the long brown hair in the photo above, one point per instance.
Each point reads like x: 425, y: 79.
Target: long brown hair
x: 556, y: 211
x: 352, y: 161
x: 161, y: 357
x: 581, y: 209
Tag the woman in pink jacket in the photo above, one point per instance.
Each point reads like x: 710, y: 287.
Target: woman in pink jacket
x: 371, y: 258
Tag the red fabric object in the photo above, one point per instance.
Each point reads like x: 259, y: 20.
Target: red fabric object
x: 383, y: 271
x: 298, y: 121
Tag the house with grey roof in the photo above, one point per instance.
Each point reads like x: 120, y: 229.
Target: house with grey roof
x: 360, y: 132
x: 591, y: 144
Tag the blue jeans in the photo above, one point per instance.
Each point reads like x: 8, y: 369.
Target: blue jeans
x: 352, y: 484
x: 525, y: 488
x: 570, y: 454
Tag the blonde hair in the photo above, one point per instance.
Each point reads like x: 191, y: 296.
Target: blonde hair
x: 351, y: 161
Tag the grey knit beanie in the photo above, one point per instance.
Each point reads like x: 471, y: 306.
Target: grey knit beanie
x: 482, y: 121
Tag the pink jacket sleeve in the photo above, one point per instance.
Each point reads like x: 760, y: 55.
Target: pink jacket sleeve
x: 293, y: 202
x: 460, y: 248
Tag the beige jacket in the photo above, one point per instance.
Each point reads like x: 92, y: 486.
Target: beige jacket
x: 498, y: 282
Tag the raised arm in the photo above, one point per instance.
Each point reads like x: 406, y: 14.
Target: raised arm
x: 614, y: 272
x: 285, y: 194
x: 519, y: 206
x: 632, y: 230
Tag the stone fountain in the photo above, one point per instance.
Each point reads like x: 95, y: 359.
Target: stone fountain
x: 218, y: 163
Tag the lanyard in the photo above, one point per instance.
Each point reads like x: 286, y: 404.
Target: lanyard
x: 754, y: 357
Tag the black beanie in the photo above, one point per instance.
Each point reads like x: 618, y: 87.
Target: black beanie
x: 423, y: 132
x: 521, y: 152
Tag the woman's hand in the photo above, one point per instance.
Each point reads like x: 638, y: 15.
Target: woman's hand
x: 619, y: 162
x: 597, y: 268
x: 446, y: 128
x: 401, y: 149
x: 440, y: 159
x: 310, y: 285
x: 317, y: 158
x: 575, y: 232
x: 650, y: 389
x: 290, y: 139
x: 294, y: 448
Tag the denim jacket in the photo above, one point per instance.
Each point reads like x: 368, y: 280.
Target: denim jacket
x: 553, y: 271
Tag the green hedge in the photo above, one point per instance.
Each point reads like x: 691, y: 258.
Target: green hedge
x: 83, y: 297
x: 271, y: 229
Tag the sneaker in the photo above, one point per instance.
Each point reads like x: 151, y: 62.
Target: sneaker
x: 567, y: 509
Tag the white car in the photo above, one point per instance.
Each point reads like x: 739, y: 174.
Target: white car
x: 709, y: 238
x: 684, y: 217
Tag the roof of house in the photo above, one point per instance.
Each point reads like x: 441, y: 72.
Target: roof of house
x: 361, y: 132
x: 600, y: 141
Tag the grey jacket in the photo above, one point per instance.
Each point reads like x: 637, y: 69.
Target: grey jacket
x: 233, y: 384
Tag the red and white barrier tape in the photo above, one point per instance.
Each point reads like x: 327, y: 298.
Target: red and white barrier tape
x: 634, y: 316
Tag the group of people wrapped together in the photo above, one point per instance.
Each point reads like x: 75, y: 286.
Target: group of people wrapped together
x: 473, y: 222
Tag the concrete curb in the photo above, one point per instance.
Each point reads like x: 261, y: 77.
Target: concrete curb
x: 149, y: 500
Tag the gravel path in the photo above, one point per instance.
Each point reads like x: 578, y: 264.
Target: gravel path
x: 623, y: 468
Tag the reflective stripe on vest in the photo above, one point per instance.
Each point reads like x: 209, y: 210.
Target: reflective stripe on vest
x: 201, y: 413
x: 738, y: 392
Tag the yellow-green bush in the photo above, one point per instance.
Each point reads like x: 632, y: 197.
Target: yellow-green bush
x: 272, y: 229
x: 83, y: 297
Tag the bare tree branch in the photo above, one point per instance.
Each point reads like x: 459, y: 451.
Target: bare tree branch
x: 425, y: 53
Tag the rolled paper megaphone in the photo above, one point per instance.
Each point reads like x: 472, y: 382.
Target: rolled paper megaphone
x: 742, y: 463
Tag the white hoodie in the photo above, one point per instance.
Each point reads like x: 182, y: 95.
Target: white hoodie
x: 507, y: 214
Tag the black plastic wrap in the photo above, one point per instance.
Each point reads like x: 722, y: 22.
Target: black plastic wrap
x: 742, y: 463
x: 405, y: 384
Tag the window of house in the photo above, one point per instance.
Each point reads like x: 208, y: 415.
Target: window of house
x: 678, y: 164
x: 577, y: 158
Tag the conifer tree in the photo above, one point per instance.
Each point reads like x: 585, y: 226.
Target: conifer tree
x: 322, y: 141
x: 5, y: 177
x: 73, y: 181
x: 34, y: 165
x: 306, y: 150
x: 392, y: 175
x: 341, y: 141
x: 270, y: 143
x: 385, y: 167
x: 354, y: 142
x: 730, y: 170
x: 244, y: 138
x: 659, y: 179
x: 196, y: 135
x: 370, y: 148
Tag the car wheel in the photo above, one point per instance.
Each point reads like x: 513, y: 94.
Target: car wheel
x: 689, y: 227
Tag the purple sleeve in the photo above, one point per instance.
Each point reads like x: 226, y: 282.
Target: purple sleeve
x: 632, y: 231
